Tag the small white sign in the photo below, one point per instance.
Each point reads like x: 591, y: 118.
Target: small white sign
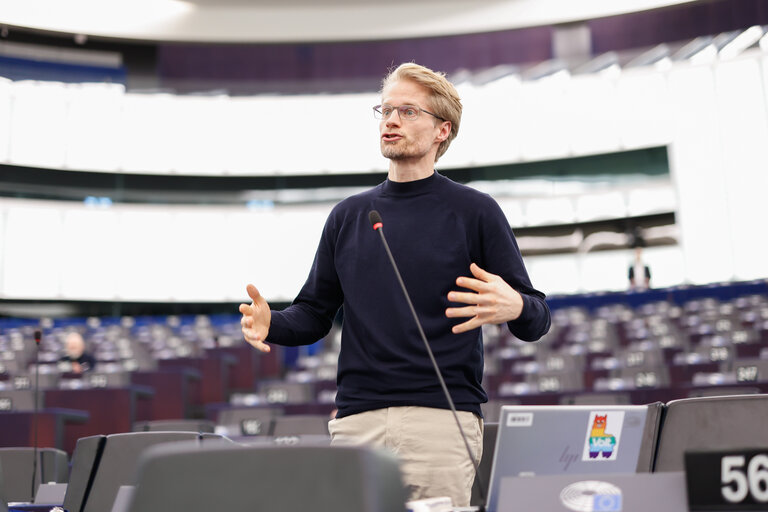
x: 520, y: 419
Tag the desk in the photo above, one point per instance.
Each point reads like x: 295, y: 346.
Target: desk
x: 111, y: 410
x: 246, y: 370
x: 173, y: 393
x: 17, y: 427
x: 214, y: 371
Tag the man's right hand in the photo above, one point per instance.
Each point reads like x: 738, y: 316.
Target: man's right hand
x: 256, y: 320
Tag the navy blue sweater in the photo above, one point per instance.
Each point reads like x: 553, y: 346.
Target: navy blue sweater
x: 435, y: 228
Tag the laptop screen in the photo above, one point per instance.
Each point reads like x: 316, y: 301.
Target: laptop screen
x: 572, y: 439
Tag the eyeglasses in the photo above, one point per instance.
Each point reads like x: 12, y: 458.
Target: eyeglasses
x: 409, y: 112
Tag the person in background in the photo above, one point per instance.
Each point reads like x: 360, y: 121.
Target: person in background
x: 639, y: 272
x: 76, y: 355
x: 461, y: 264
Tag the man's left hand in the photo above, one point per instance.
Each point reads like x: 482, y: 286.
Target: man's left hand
x: 494, y: 301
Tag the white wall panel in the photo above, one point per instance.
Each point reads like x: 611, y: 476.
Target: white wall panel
x: 554, y: 274
x: 31, y: 248
x: 200, y: 238
x: 493, y: 125
x: 545, y: 134
x: 650, y: 200
x: 244, y: 150
x: 643, y: 109
x: 93, y: 134
x: 146, y: 254
x: 590, y: 117
x: 146, y: 132
x: 667, y: 265
x: 604, y: 270
x: 466, y: 146
x: 696, y: 165
x: 254, y: 256
x: 550, y: 210
x: 6, y: 98
x: 602, y: 205
x: 3, y: 245
x: 741, y: 111
x: 87, y: 253
x: 353, y: 143
x: 300, y: 229
x: 39, y: 125
x: 513, y: 210
x: 198, y: 130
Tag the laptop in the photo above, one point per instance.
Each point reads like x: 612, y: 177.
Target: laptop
x: 659, y: 492
x: 573, y: 440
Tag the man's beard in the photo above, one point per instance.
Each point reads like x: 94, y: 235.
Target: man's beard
x: 400, y: 151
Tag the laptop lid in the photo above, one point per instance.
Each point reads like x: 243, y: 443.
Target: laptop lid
x: 570, y: 439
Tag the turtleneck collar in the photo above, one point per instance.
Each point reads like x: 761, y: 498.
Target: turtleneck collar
x: 409, y: 188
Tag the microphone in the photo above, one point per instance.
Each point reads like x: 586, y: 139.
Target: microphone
x: 38, y: 337
x: 378, y: 225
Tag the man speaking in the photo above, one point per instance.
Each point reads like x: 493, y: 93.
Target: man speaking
x: 461, y: 265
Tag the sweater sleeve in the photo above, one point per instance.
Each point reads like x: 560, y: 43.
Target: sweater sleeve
x: 310, y: 316
x: 501, y: 256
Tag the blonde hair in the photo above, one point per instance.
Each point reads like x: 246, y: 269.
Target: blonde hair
x: 445, y: 101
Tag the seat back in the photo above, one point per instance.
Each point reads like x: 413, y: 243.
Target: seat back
x: 300, y: 424
x: 52, y: 466
x: 711, y: 423
x: 85, y: 461
x: 181, y: 425
x: 249, y: 421
x: 3, y: 501
x: 182, y: 476
x: 283, y: 392
x: 117, y: 465
x: 483, y: 477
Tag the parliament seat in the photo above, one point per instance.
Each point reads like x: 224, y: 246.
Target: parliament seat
x: 248, y: 421
x: 101, y: 464
x: 284, y: 392
x: 192, y: 478
x: 85, y: 459
x: 300, y: 424
x: 621, y: 398
x: 711, y: 423
x: 179, y: 425
x: 483, y: 477
x: 17, y: 464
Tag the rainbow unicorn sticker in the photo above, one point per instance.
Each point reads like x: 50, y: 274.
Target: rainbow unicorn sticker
x: 603, y: 433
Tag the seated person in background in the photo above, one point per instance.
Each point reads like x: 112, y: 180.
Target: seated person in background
x: 80, y: 360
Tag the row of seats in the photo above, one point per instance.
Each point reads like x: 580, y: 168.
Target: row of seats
x: 613, y: 353
x: 207, y: 469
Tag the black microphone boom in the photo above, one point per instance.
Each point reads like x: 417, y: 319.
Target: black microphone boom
x: 38, y: 337
x: 377, y: 224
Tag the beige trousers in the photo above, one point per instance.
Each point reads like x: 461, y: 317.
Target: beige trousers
x: 432, y: 454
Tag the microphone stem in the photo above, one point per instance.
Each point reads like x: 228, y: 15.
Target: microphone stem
x: 434, y: 361
x: 34, y: 420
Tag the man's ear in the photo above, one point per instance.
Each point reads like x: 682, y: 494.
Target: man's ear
x: 445, y: 131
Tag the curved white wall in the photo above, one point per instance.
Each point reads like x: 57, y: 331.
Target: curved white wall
x: 713, y: 117
x: 101, y: 127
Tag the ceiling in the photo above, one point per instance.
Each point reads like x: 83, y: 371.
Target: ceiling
x: 264, y: 21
